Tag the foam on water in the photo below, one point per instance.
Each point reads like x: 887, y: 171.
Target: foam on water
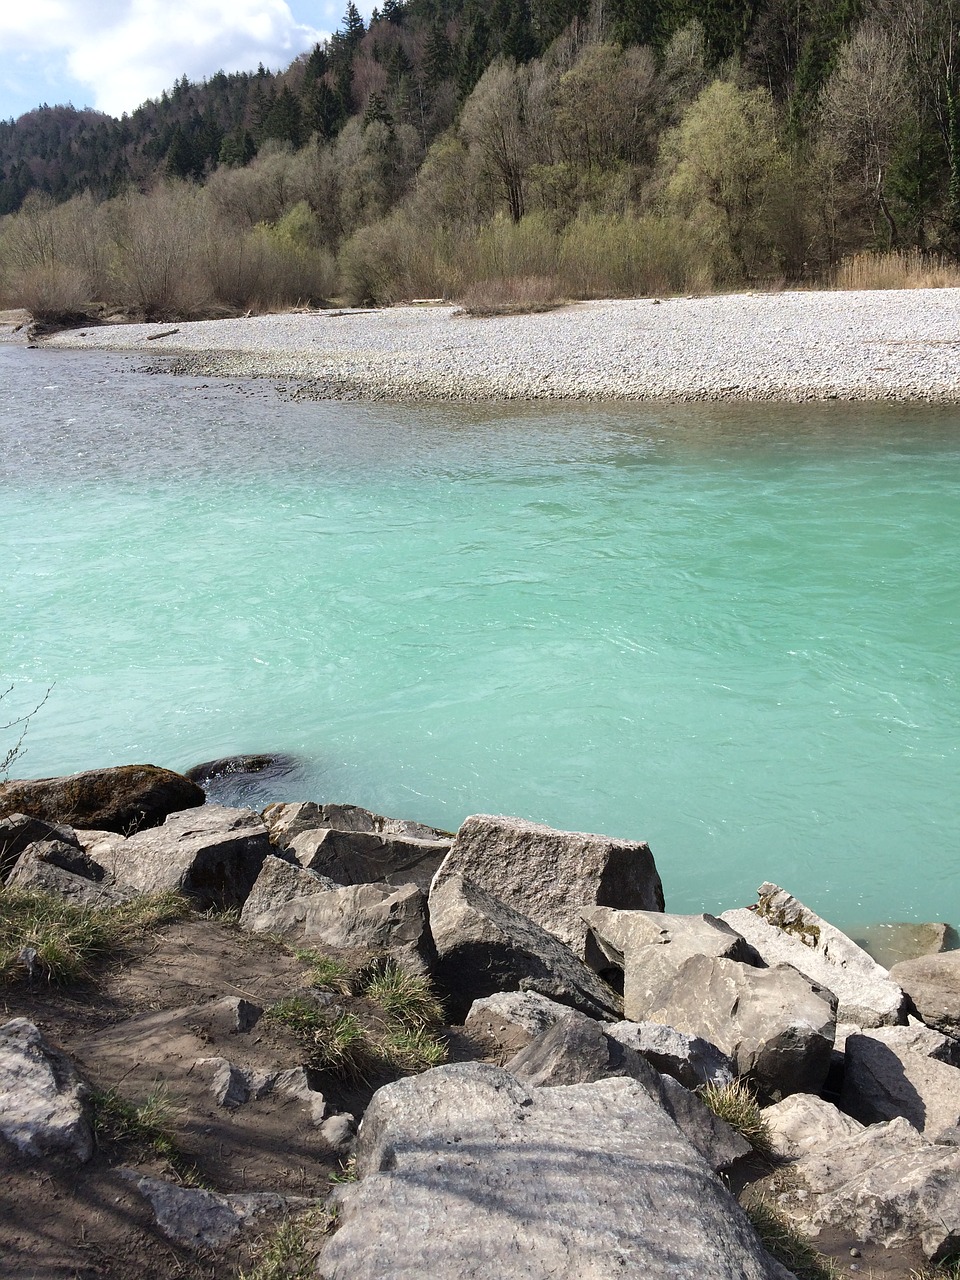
x: 732, y: 630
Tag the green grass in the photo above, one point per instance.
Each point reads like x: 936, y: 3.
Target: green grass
x: 404, y: 997
x: 288, y: 1253
x: 409, y: 1051
x: 781, y: 1238
x: 69, y: 938
x: 327, y: 973
x: 334, y: 1042
x: 736, y: 1104
x: 149, y: 1124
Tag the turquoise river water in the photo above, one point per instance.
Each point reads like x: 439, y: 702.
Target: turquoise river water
x: 731, y: 630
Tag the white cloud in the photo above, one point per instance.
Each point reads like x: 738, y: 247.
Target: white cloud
x: 126, y: 51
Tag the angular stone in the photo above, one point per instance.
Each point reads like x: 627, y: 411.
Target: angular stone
x: 485, y: 946
x: 775, y: 1025
x: 468, y: 1175
x: 295, y: 903
x: 784, y: 931
x: 690, y: 1060
x: 360, y: 857
x: 46, y: 865
x: 202, y: 1220
x: 805, y: 1123
x: 513, y: 1018
x: 19, y: 830
x: 576, y: 1050
x: 885, y: 1078
x: 550, y: 876
x: 42, y: 1098
x: 212, y: 855
x: 286, y: 821
x: 125, y: 799
x: 339, y: 1132
x: 887, y: 1185
x: 888, y: 944
x: 933, y: 985
x: 650, y: 947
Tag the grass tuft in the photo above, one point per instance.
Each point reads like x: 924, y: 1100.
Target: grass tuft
x: 512, y: 296
x: 150, y: 1123
x: 43, y: 933
x: 290, y: 1252
x: 949, y: 1269
x: 327, y: 973
x: 736, y: 1104
x: 409, y: 1051
x: 784, y: 1242
x: 406, y: 997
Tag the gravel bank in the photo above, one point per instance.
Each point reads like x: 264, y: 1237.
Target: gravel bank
x: 890, y: 345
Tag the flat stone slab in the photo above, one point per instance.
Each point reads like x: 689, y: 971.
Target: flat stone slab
x: 465, y: 1174
x: 550, y: 876
x: 204, y: 1220
x: 783, y: 931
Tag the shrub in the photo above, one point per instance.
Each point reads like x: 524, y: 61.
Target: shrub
x: 908, y: 269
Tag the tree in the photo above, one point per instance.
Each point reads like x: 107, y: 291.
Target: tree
x: 494, y: 124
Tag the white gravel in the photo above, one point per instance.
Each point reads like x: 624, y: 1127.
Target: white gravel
x: 889, y: 345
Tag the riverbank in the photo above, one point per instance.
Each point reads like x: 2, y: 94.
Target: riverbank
x: 901, y: 345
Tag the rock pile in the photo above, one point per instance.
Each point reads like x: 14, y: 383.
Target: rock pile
x: 582, y: 1145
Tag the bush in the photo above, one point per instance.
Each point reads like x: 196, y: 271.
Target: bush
x: 908, y: 269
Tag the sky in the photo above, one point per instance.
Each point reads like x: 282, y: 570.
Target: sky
x: 114, y: 54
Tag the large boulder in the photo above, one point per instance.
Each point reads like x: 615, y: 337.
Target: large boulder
x: 354, y: 846
x: 550, y: 876
x: 484, y: 946
x: 301, y: 905
x: 933, y: 985
x: 577, y: 1050
x: 690, y: 1060
x: 511, y: 1019
x: 211, y: 855
x: 650, y: 946
x: 775, y: 1025
x: 466, y: 1174
x: 886, y: 1076
x: 43, y: 1107
x: 124, y: 799
x: 784, y: 931
x: 19, y: 830
x: 806, y: 1123
x: 54, y: 866
x: 886, y: 1185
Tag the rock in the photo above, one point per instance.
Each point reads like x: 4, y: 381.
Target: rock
x: 690, y: 1060
x: 339, y: 1132
x: 211, y: 855
x: 784, y: 931
x: 276, y: 766
x: 295, y: 1083
x: 550, y: 876
x: 286, y: 821
x: 775, y: 1025
x: 885, y: 1078
x: 933, y: 985
x: 233, y: 1086
x: 125, y: 799
x: 886, y: 1185
x: 513, y: 1018
x: 42, y: 1098
x: 19, y: 830
x: 576, y: 1050
x: 890, y: 943
x: 228, y: 1016
x: 484, y: 947
x: 297, y: 904
x: 468, y: 1175
x: 202, y: 1220
x: 805, y: 1123
x: 650, y: 946
x: 244, y: 781
x: 41, y: 866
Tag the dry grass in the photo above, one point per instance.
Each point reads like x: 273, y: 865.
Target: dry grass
x: 907, y: 269
x: 792, y: 1250
x: 736, y: 1104
x: 512, y: 295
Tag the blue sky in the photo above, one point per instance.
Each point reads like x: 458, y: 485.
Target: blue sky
x: 113, y: 54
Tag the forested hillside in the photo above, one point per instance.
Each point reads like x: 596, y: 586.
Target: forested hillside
x: 615, y: 146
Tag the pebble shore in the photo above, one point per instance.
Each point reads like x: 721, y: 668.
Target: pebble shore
x: 791, y: 346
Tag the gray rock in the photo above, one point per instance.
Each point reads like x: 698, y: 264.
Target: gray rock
x: 886, y: 1185
x: 339, y: 1132
x: 774, y: 1024
x: 690, y: 1060
x: 485, y: 946
x: 124, y: 799
x: 886, y: 1078
x: 576, y: 1050
x: 888, y: 944
x: 804, y: 1123
x: 42, y: 1098
x: 513, y: 1018
x: 784, y: 931
x: 295, y: 903
x: 234, y: 1086
x: 550, y: 876
x: 360, y: 857
x: 286, y: 821
x: 202, y: 1220
x: 212, y: 855
x: 46, y: 865
x: 19, y: 830
x: 468, y: 1175
x: 933, y: 985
